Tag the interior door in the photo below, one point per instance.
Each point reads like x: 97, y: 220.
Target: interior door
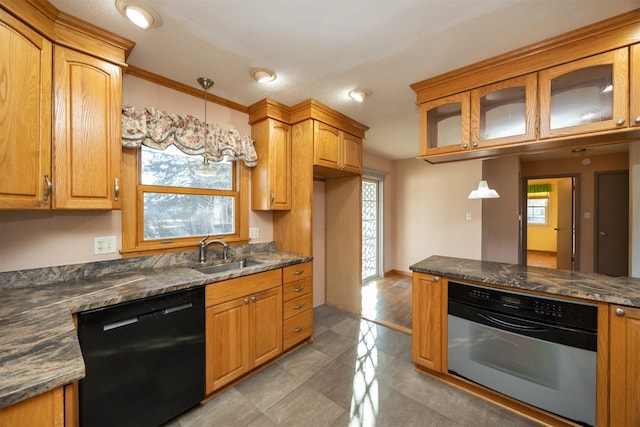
x: 565, y: 229
x: 612, y: 223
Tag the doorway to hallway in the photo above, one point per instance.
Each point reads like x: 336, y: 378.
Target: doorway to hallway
x: 549, y: 222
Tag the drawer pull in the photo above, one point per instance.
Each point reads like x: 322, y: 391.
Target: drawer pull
x: 253, y: 298
x: 298, y: 289
x: 246, y: 300
x: 297, y: 273
x: 298, y: 329
x: 298, y: 307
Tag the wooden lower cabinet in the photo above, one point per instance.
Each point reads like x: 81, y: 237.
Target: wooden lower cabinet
x: 624, y: 359
x: 297, y: 311
x: 46, y: 409
x: 243, y: 326
x: 429, y: 326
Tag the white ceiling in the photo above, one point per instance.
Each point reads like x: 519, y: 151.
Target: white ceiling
x: 321, y: 49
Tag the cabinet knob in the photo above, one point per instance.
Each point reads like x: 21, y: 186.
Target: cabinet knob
x: 49, y: 186
x: 253, y: 298
x: 475, y: 145
x: 619, y: 312
x: 246, y: 300
x: 436, y: 278
x: 637, y: 119
x: 620, y: 122
x: 273, y: 197
x: 465, y: 145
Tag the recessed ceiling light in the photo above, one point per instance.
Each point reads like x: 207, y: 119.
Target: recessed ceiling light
x: 262, y: 75
x: 141, y: 15
x: 359, y: 94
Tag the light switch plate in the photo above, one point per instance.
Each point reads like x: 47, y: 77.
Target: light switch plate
x: 254, y: 232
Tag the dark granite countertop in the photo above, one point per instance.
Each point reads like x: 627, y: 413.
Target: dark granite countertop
x: 589, y: 286
x: 39, y: 348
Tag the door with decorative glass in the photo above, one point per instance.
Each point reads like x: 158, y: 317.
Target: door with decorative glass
x: 371, y: 228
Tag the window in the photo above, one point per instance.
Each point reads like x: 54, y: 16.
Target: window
x: 537, y: 210
x: 172, y: 199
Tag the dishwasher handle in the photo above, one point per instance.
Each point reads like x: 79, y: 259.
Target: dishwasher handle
x: 146, y: 316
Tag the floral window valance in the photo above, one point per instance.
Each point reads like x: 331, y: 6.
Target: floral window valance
x: 158, y: 129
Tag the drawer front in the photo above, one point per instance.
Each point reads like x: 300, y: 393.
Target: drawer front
x: 297, y: 306
x: 296, y: 272
x: 297, y: 328
x: 297, y: 289
x: 228, y: 290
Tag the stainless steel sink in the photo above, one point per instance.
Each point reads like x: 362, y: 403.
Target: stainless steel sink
x: 228, y: 266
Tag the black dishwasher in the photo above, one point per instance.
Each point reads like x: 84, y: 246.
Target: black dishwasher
x: 144, y: 360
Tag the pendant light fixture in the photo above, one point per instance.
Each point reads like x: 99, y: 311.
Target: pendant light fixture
x: 205, y: 167
x: 484, y: 192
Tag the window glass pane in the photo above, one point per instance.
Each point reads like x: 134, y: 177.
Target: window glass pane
x: 537, y: 211
x: 444, y: 124
x: 369, y: 229
x: 169, y: 215
x: 502, y: 113
x: 173, y: 168
x: 582, y: 96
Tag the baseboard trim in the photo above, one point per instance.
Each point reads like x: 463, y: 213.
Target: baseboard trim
x: 398, y: 273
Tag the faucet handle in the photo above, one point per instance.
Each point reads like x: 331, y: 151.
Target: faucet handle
x: 205, y: 239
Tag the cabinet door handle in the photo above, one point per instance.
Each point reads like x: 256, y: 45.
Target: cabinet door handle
x: 436, y: 278
x: 253, y: 298
x: 298, y: 272
x: 298, y: 329
x: 49, y: 186
x: 637, y: 119
x: 620, y: 122
x: 465, y: 145
x: 298, y: 307
x: 619, y: 312
x: 298, y: 289
x: 117, y: 189
x: 475, y: 144
x: 273, y: 197
x: 246, y: 300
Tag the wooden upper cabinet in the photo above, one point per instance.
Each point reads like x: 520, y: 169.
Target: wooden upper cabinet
x: 271, y: 178
x: 624, y: 341
x: 504, y: 112
x: 335, y: 149
x: 634, y: 90
x: 25, y: 116
x: 444, y: 124
x: 86, y: 144
x: 587, y: 95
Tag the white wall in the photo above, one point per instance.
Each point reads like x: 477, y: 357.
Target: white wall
x: 34, y: 239
x: 318, y: 229
x: 431, y: 205
x: 634, y: 205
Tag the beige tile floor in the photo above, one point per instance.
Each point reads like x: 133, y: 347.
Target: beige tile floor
x: 356, y: 373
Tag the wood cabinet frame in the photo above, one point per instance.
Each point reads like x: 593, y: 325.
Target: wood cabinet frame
x: 634, y: 85
x: 461, y: 98
x: 620, y: 78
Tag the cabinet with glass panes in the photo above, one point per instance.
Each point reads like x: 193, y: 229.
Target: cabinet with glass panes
x: 495, y: 114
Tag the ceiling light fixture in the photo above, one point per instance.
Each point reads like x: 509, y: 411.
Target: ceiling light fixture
x: 484, y: 192
x: 205, y: 167
x: 262, y: 75
x: 359, y: 94
x: 141, y: 15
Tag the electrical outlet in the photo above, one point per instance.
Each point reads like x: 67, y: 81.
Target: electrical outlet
x: 254, y: 232
x: 468, y: 216
x: 104, y: 245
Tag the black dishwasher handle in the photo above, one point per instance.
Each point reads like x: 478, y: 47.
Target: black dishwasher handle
x: 146, y: 316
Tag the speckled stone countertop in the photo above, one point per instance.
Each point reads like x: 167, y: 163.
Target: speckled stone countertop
x: 589, y: 286
x: 39, y: 348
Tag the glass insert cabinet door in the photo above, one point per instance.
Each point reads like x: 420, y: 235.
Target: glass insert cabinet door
x: 504, y: 112
x: 444, y: 124
x: 587, y: 95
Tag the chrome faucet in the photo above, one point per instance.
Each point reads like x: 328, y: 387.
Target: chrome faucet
x: 203, y: 248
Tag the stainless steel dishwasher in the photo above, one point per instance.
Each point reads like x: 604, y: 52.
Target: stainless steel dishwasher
x: 144, y: 360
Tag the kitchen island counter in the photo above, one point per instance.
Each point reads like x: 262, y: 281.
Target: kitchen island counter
x: 588, y: 286
x: 39, y: 348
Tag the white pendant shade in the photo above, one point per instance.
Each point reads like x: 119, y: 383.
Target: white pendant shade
x: 484, y: 192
